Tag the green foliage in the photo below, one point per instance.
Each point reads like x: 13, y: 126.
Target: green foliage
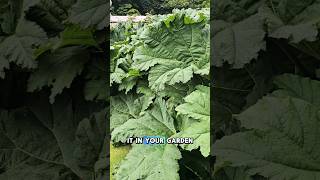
x: 19, y: 47
x: 166, y: 61
x: 58, y: 69
x: 136, y: 7
x: 157, y: 162
x: 265, y: 89
x: 179, y: 4
x: 89, y: 13
x: 53, y: 90
x: 288, y: 122
x: 173, y: 56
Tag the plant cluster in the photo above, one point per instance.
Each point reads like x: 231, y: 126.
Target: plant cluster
x: 53, y: 90
x: 136, y: 7
x: 160, y: 87
x: 265, y: 89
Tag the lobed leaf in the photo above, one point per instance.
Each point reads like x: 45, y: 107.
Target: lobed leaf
x: 155, y: 162
x: 57, y: 70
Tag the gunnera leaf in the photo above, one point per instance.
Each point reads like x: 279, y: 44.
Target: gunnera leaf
x: 295, y: 20
x: 125, y: 107
x: 90, y: 13
x: 237, y: 43
x: 197, y: 104
x: 20, y: 46
x: 39, y: 140
x: 174, y: 49
x: 90, y: 136
x: 283, y: 137
x: 298, y: 87
x: 155, y: 162
x: 155, y: 122
x: 200, y: 132
x: 58, y: 69
x: 235, y: 10
x: 18, y: 157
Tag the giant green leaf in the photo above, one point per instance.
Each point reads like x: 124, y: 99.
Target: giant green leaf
x: 197, y: 104
x: 90, y: 13
x: 174, y: 49
x: 299, y: 87
x: 19, y: 47
x: 237, y: 43
x: 16, y: 151
x: 154, y: 162
x: 90, y: 135
x: 235, y: 10
x: 125, y: 107
x: 50, y: 14
x: 39, y: 141
x: 19, y: 165
x: 57, y: 70
x: 295, y: 20
x: 200, y: 133
x: 169, y: 74
x: 284, y: 141
x: 156, y: 122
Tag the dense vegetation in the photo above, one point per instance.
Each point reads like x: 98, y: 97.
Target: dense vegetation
x: 264, y: 81
x: 53, y: 90
x: 265, y: 89
x: 136, y: 7
x: 160, y: 87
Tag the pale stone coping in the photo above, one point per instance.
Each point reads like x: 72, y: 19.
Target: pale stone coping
x: 117, y: 19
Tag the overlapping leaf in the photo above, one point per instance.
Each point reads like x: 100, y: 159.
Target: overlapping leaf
x: 296, y: 21
x: 200, y: 133
x: 19, y: 47
x: 155, y: 162
x: 284, y: 139
x: 197, y: 106
x: 174, y: 49
x: 156, y: 122
x: 125, y: 107
x: 57, y: 70
x: 38, y: 141
x: 90, y: 13
x: 238, y: 43
x: 298, y: 87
